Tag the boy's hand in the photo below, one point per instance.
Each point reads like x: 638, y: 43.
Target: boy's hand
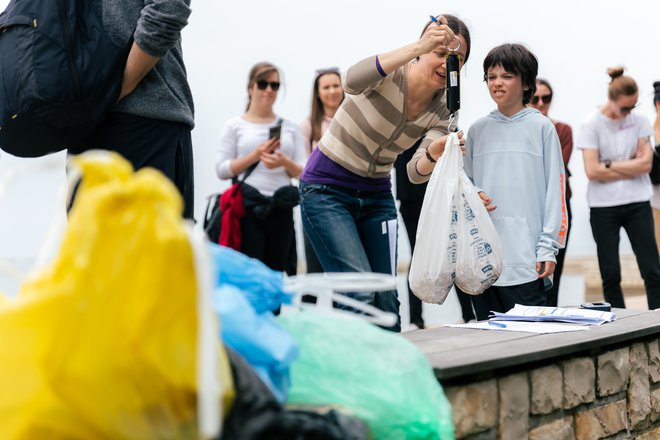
x: 545, y: 268
x: 487, y: 201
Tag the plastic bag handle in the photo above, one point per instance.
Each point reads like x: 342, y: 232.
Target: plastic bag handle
x: 57, y: 226
x: 209, y: 388
x: 325, y: 286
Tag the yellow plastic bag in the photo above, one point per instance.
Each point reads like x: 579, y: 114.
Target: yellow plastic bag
x: 103, y: 343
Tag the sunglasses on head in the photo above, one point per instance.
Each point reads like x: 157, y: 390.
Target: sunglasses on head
x: 320, y: 72
x: 545, y: 98
x: 263, y: 85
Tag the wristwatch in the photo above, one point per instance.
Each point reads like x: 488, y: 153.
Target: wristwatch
x: 607, y: 163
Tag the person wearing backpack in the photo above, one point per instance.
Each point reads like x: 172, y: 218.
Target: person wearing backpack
x: 152, y: 121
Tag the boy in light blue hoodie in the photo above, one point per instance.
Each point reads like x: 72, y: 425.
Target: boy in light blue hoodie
x: 513, y: 156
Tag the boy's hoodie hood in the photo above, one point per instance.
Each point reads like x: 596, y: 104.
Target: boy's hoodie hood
x: 497, y: 115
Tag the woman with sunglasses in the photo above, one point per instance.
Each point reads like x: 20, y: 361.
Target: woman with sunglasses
x: 394, y: 99
x: 327, y: 96
x: 616, y: 147
x: 541, y: 101
x: 253, y: 139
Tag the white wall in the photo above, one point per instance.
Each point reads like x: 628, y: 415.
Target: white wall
x: 574, y: 41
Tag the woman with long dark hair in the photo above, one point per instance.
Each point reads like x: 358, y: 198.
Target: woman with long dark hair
x: 327, y: 96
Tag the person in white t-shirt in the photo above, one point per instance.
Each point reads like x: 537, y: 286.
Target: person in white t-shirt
x: 266, y: 235
x: 655, y: 200
x: 617, y: 152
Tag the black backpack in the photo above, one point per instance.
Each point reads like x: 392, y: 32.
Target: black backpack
x: 60, y: 73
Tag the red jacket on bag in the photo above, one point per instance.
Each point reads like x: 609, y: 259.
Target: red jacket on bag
x: 231, y: 206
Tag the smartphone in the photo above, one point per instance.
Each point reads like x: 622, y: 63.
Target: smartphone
x: 275, y: 132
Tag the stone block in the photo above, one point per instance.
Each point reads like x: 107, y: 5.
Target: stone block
x: 561, y: 429
x: 654, y: 360
x: 653, y: 434
x: 579, y: 382
x: 655, y: 405
x: 601, y: 422
x: 474, y: 407
x: 547, y: 389
x: 613, y: 371
x: 639, y: 387
x: 514, y: 407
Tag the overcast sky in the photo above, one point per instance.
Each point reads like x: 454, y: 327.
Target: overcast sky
x: 575, y: 42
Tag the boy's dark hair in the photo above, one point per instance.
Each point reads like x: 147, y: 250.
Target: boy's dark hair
x: 516, y: 59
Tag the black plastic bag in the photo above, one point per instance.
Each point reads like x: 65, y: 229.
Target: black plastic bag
x: 257, y: 415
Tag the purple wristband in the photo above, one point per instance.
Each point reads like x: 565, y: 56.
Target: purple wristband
x: 380, y: 68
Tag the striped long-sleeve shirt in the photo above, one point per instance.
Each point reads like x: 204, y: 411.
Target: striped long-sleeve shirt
x: 370, y: 129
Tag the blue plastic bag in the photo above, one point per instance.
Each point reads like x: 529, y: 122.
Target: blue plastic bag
x: 268, y: 348
x: 261, y: 285
x: 247, y: 292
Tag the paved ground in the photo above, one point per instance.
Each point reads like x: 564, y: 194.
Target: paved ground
x: 580, y: 283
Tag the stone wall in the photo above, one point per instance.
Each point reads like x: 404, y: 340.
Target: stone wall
x: 614, y: 394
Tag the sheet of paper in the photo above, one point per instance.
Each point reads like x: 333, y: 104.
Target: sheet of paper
x: 520, y: 326
x: 556, y: 314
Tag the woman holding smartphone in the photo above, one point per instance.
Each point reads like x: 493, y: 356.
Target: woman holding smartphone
x: 275, y: 149
x: 394, y: 99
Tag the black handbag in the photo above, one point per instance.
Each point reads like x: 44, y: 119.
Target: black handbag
x: 655, y: 168
x: 213, y: 213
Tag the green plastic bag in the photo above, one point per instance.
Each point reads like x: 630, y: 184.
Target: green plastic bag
x: 376, y: 375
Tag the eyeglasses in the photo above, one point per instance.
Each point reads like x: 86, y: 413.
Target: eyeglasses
x: 545, y: 98
x: 263, y: 85
x: 628, y: 109
x: 319, y: 72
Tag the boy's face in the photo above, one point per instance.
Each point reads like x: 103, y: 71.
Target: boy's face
x: 505, y: 88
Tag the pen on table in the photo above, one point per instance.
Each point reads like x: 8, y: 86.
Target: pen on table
x: 497, y: 324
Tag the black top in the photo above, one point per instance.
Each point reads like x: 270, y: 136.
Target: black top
x: 405, y: 190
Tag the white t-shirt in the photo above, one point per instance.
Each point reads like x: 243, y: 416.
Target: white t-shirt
x: 240, y: 137
x: 615, y: 140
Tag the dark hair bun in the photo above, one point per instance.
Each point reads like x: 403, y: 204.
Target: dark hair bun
x: 656, y: 86
x: 615, y: 72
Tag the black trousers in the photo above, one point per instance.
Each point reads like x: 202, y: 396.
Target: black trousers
x: 269, y: 240
x: 553, y: 293
x: 503, y: 298
x: 410, y: 211
x: 163, y: 145
x: 637, y: 220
